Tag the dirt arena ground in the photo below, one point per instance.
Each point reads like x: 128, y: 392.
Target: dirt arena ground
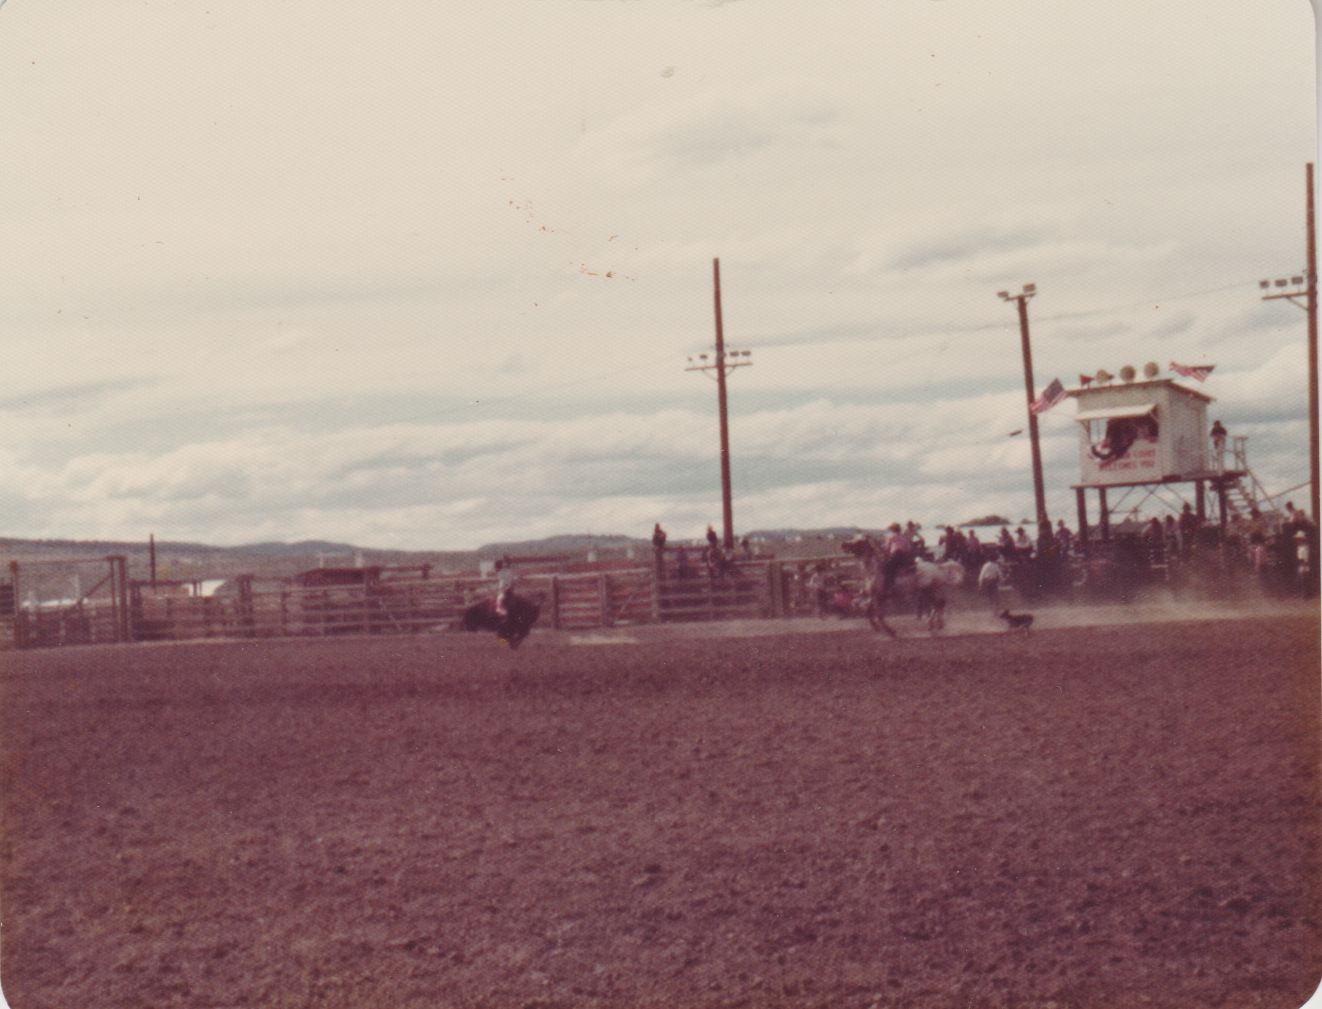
x: 1109, y: 814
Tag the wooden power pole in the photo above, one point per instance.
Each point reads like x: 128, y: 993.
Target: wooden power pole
x: 1305, y: 287
x: 724, y: 363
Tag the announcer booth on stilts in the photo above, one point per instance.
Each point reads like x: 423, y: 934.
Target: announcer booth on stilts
x: 1149, y: 438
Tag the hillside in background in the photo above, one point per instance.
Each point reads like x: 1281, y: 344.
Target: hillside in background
x: 176, y: 561
x: 183, y: 561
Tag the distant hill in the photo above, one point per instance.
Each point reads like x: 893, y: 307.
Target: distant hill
x: 182, y: 561
x: 185, y: 561
x: 571, y: 543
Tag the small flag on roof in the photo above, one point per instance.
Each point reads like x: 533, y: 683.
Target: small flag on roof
x: 1084, y: 380
x: 1051, y: 395
x: 1199, y: 371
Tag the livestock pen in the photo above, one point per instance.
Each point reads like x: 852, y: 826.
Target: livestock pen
x: 51, y: 604
x: 379, y: 600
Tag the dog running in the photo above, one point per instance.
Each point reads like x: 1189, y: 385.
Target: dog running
x: 1018, y: 621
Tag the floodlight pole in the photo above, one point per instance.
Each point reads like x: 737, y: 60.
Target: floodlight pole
x: 1039, y: 491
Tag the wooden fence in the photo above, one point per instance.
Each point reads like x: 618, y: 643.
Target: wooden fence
x: 245, y: 608
x: 61, y: 602
x: 413, y: 603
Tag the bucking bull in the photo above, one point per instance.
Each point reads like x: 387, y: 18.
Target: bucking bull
x: 925, y: 583
x: 513, y: 626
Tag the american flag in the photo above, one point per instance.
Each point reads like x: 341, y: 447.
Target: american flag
x: 1051, y: 395
x: 1198, y: 371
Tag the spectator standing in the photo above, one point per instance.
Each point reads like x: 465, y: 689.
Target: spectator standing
x: 715, y: 556
x: 1170, y: 537
x: 1297, y: 519
x: 1260, y: 558
x: 974, y: 554
x: 1005, y: 542
x: 1064, y: 538
x: 1218, y: 436
x: 1022, y: 544
x: 989, y: 580
x: 1303, y: 534
x: 1188, y: 526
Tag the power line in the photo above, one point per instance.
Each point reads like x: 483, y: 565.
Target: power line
x: 530, y: 393
x: 984, y: 327
x: 1150, y: 301
x: 637, y: 366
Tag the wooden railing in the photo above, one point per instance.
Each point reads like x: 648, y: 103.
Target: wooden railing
x: 416, y: 603
x: 404, y: 606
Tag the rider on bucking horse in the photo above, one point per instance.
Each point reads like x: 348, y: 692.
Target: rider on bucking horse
x: 897, y: 555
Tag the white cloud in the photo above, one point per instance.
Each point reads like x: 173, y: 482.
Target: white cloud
x: 428, y: 276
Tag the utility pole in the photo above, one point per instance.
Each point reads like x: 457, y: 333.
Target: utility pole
x: 1306, y: 287
x: 724, y: 363
x: 1038, y: 490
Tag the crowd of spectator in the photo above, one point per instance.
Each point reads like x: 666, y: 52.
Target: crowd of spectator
x: 1276, y: 550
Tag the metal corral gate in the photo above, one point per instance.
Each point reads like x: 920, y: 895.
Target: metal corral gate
x: 72, y: 601
x: 116, y: 609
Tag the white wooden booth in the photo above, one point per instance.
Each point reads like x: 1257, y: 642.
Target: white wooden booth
x: 1141, y: 432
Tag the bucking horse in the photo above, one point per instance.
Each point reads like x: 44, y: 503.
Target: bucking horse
x: 513, y: 626
x: 925, y: 583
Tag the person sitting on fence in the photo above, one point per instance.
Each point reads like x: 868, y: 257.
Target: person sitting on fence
x: 717, y: 563
x: 505, y: 579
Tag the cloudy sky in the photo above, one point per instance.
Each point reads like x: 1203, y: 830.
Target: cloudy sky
x: 427, y: 275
